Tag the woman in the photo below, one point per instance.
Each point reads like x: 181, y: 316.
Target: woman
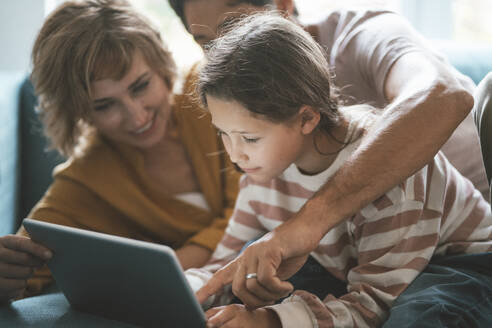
x: 141, y: 164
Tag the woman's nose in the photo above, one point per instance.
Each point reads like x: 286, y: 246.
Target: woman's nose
x: 136, y: 113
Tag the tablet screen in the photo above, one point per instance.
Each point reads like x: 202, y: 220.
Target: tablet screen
x: 118, y: 278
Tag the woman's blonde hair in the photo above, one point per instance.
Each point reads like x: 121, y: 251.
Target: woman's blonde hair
x: 80, y: 42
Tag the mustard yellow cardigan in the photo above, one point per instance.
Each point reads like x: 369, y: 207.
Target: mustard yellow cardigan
x: 107, y: 190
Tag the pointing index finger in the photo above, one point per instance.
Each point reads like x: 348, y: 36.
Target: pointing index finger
x: 219, y: 280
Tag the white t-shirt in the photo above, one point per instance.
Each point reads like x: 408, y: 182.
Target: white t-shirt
x: 362, y: 46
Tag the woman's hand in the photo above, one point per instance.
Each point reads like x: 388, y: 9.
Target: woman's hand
x: 236, y: 315
x: 19, y: 256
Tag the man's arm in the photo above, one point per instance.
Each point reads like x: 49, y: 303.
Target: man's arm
x: 427, y: 104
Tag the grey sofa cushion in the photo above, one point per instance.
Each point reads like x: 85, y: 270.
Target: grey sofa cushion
x: 51, y: 310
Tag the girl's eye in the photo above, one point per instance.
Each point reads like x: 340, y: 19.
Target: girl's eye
x: 140, y: 87
x: 250, y: 140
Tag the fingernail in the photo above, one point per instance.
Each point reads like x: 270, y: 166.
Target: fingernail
x: 47, y: 254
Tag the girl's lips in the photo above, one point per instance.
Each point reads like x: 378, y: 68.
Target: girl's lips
x: 250, y: 170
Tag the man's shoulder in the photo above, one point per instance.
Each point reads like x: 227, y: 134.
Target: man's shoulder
x: 339, y: 23
x: 347, y: 15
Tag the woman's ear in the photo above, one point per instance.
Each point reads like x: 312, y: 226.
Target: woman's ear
x: 286, y: 6
x: 310, y: 118
x: 86, y: 117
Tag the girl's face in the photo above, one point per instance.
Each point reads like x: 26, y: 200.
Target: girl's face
x: 133, y: 110
x: 262, y: 149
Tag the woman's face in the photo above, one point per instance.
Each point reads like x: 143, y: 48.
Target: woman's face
x: 134, y: 110
x: 205, y: 17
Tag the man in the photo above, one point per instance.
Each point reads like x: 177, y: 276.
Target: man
x: 377, y: 58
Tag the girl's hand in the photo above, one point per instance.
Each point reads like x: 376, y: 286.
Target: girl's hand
x: 19, y: 256
x: 235, y: 315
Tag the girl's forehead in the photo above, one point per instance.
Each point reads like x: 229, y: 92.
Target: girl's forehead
x: 231, y: 116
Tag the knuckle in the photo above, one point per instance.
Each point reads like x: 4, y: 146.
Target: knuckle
x: 8, y: 237
x: 251, y: 284
x: 27, y: 272
x: 11, y: 285
x: 236, y: 290
x: 266, y: 281
x: 24, y: 258
x: 14, y: 241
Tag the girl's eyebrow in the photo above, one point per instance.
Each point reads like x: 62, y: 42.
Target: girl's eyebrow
x: 234, y: 131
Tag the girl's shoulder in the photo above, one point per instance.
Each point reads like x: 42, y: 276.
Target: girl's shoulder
x: 362, y: 115
x: 360, y: 118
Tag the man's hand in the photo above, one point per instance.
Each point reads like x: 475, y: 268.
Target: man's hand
x: 19, y: 256
x: 272, y: 264
x: 236, y: 315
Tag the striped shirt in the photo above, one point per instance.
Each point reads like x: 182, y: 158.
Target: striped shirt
x: 378, y: 252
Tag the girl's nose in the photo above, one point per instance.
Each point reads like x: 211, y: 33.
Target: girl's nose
x: 236, y: 154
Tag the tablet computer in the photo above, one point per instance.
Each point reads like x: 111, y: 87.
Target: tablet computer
x: 118, y: 278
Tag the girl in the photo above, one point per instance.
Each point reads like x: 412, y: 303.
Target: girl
x: 267, y: 87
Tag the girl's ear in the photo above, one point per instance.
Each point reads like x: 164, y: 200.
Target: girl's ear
x: 286, y: 6
x: 309, y: 119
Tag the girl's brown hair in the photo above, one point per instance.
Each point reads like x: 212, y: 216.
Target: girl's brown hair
x: 80, y: 42
x: 272, y: 67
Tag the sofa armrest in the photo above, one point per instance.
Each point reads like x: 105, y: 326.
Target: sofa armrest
x: 471, y: 59
x: 10, y: 83
x: 36, y: 163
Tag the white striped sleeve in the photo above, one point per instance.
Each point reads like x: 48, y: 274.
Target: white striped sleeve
x: 393, y: 245
x: 242, y: 227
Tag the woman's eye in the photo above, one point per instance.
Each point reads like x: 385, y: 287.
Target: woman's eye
x: 142, y: 86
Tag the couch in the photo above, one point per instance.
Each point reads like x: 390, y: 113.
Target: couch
x: 25, y: 173
x: 25, y: 166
